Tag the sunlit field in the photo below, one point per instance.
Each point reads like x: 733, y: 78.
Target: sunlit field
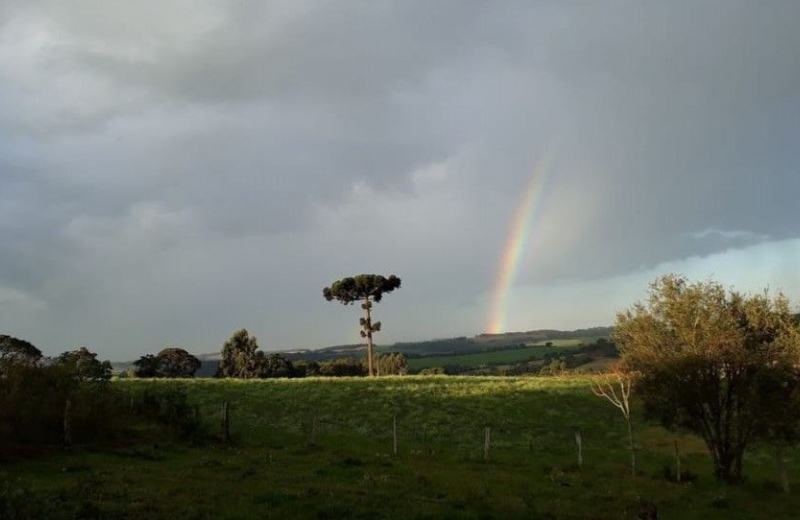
x: 324, y: 448
x: 496, y: 357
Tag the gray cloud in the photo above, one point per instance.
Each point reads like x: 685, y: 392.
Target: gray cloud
x: 170, y: 174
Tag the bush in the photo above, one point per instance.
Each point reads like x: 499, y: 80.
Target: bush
x: 34, y: 401
x: 167, y: 407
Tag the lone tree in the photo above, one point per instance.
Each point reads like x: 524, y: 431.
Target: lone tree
x: 239, y: 357
x: 364, y: 288
x: 616, y: 387
x: 176, y: 362
x: 722, y: 364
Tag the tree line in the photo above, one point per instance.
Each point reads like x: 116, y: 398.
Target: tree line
x: 69, y: 399
x: 242, y: 359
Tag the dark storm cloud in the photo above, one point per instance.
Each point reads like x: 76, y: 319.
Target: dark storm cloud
x: 169, y: 173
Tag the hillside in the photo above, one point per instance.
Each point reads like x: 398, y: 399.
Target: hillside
x: 457, y: 346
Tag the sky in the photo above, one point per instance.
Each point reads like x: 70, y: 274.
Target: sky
x: 173, y: 171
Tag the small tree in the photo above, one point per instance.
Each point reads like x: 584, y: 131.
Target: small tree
x: 146, y: 366
x: 239, y: 356
x: 176, y: 362
x: 393, y: 364
x: 85, y: 365
x: 364, y: 288
x: 18, y: 351
x: 719, y: 363
x: 342, y: 367
x: 616, y: 387
x: 275, y: 365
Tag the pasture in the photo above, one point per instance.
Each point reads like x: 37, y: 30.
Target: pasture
x: 323, y: 448
x: 496, y: 357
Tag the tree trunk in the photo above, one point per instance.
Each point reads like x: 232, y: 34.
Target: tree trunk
x: 630, y: 446
x: 67, y: 424
x: 368, y: 327
x: 782, y: 471
x: 727, y: 464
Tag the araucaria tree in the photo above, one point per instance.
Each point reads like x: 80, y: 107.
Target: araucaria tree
x: 367, y: 289
x: 720, y: 363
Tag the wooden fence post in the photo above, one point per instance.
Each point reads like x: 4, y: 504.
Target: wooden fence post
x: 787, y: 488
x: 579, y: 444
x: 394, y: 434
x: 487, y: 439
x: 67, y: 424
x: 226, y: 423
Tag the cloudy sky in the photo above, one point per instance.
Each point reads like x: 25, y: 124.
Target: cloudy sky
x: 172, y: 171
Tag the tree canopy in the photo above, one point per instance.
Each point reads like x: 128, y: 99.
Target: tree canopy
x: 362, y: 287
x: 242, y: 359
x: 85, y: 365
x: 176, y: 362
x: 170, y: 362
x: 720, y: 363
x: 366, y: 288
x: 18, y: 351
x: 239, y: 356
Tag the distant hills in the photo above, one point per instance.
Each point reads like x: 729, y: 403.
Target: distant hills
x: 429, y: 348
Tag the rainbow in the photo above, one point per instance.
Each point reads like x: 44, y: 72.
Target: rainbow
x: 516, y: 243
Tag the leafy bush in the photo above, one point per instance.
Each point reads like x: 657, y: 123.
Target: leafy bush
x: 168, y: 407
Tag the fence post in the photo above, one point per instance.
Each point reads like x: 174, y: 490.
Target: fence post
x: 314, y: 429
x: 787, y: 488
x: 226, y: 423
x: 487, y: 439
x: 579, y: 444
x: 67, y: 424
x: 394, y: 434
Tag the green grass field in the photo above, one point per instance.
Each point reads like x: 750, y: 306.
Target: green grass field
x: 322, y: 448
x: 497, y: 357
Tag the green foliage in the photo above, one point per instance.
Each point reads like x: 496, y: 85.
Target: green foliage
x: 392, y: 364
x: 167, y: 406
x: 303, y: 368
x: 274, y: 365
x: 146, y: 366
x: 85, y: 365
x: 34, y: 403
x: 242, y: 359
x: 239, y: 356
x: 176, y: 362
x: 342, y: 367
x: 555, y: 367
x: 17, y: 351
x: 433, y: 371
x: 362, y: 287
x: 722, y: 364
x: 70, y: 400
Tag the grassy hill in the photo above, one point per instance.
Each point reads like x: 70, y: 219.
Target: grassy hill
x: 456, y: 351
x: 323, y: 448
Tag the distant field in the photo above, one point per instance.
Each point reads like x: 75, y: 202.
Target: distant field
x: 322, y: 448
x: 562, y: 342
x: 498, y: 357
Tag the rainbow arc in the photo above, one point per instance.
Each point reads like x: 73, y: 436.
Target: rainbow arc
x: 516, y: 244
